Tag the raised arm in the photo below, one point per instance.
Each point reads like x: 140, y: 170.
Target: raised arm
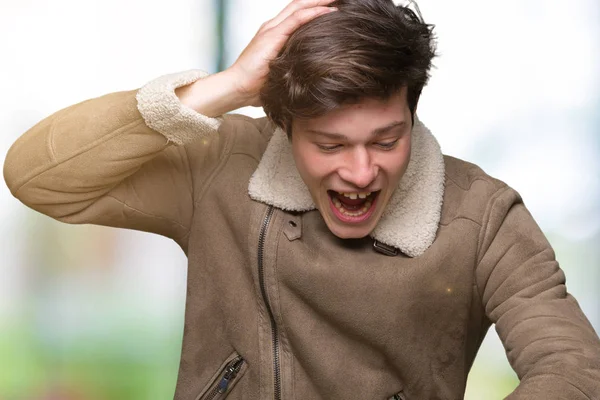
x: 101, y: 161
x: 121, y: 160
x: 548, y: 340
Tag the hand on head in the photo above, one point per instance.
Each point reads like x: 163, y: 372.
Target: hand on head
x: 252, y: 66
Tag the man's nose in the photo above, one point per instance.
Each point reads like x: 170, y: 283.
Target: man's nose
x: 359, y: 169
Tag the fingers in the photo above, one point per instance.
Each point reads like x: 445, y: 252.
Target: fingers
x: 292, y: 8
x: 299, y: 18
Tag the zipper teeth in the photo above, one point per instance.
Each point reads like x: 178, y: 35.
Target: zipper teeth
x: 236, y: 363
x: 215, y: 390
x: 261, y: 274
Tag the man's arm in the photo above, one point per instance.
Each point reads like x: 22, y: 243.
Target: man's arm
x: 548, y: 340
x: 100, y: 162
x: 111, y: 160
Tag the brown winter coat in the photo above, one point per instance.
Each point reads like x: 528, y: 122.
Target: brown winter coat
x: 277, y: 306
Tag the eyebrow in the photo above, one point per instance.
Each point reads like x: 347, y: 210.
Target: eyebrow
x: 377, y: 132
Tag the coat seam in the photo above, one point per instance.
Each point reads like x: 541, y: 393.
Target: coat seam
x: 498, y: 262
x: 486, y: 215
x: 85, y: 149
x: 239, y: 153
x: 480, y: 238
x: 473, y: 297
x: 458, y: 218
x: 560, y: 317
x: 550, y: 374
x: 148, y: 214
x: 525, y: 261
x: 224, y: 158
x: 51, y: 140
x: 479, y: 178
x: 465, y: 189
x: 193, y: 191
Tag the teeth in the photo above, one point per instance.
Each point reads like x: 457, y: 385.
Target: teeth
x: 354, y: 196
x: 356, y: 213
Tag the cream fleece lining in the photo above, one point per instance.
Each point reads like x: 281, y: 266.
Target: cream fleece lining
x: 162, y: 111
x: 411, y: 218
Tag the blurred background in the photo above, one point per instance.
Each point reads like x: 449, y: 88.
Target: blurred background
x: 92, y: 313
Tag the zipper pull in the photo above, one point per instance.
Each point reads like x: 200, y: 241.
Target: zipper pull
x: 230, y: 373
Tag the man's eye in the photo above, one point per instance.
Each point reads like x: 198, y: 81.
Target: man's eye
x: 387, y: 145
x: 330, y: 147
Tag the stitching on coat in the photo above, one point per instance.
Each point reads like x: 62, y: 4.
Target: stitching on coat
x: 477, y: 260
x: 549, y: 353
x: 558, y: 317
x: 574, y: 352
x: 488, y: 210
x: 478, y: 338
x: 457, y: 218
x: 522, y: 263
x: 563, y: 379
x: 147, y: 214
x: 489, y: 275
x: 84, y: 149
x: 193, y: 191
x: 239, y: 153
x: 224, y: 157
x: 465, y: 190
x: 479, y: 178
x: 466, y: 337
x: 50, y: 140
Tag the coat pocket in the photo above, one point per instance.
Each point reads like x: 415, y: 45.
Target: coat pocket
x: 220, y: 385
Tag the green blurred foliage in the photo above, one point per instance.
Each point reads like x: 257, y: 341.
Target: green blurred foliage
x: 86, y: 369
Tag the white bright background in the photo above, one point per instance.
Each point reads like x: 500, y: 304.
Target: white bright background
x: 516, y: 91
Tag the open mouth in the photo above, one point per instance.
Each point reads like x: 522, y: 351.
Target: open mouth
x: 353, y: 207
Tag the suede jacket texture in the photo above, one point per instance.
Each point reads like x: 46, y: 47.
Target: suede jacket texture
x: 280, y: 308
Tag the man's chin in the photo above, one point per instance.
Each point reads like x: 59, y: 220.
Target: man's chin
x: 346, y: 231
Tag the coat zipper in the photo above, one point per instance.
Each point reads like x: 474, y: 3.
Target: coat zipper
x: 263, y: 290
x: 231, y: 371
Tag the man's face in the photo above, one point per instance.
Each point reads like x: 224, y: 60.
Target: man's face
x: 351, y: 160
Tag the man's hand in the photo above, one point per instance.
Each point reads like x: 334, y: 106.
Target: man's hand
x: 240, y: 84
x: 252, y: 66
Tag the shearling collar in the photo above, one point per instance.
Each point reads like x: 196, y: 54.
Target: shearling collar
x: 412, y: 216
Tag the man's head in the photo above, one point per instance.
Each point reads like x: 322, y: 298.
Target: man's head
x: 369, y: 48
x: 345, y: 89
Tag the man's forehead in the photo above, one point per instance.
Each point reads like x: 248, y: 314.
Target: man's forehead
x: 379, y: 131
x: 373, y: 115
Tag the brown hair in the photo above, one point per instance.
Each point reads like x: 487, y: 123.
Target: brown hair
x: 368, y: 48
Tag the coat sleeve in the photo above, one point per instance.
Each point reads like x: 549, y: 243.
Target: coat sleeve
x: 117, y: 160
x: 549, y: 342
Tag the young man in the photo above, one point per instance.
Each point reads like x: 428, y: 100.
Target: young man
x: 334, y: 252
